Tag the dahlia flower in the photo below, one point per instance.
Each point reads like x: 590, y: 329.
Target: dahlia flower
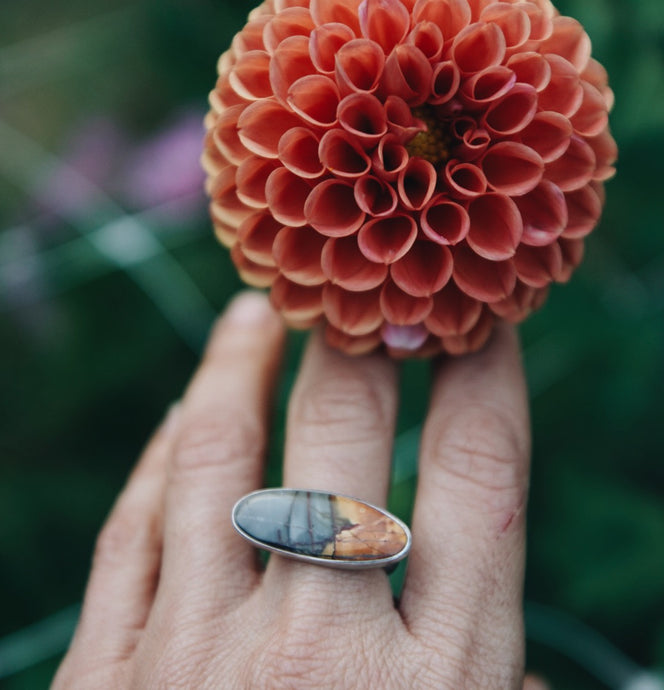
x: 407, y: 171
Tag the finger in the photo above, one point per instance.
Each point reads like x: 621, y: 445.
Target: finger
x: 218, y: 456
x: 126, y: 561
x: 339, y: 438
x: 467, y: 559
x: 531, y: 682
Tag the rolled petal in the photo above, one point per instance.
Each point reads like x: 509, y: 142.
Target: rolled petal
x: 575, y: 168
x: 477, y: 47
x: 472, y: 341
x: 400, y: 120
x: 513, y: 112
x: 584, y: 207
x: 572, y: 250
x: 385, y: 22
x: 416, y: 183
x: 453, y: 312
x: 444, y: 221
x: 298, y: 151
x: 473, y: 142
x: 374, y: 196
x: 359, y: 66
x: 250, y: 77
x: 541, y: 20
x: 445, y: 80
x: 495, y: 226
x: 564, y: 92
x: 513, y: 21
x: 407, y: 74
x: 345, y: 265
x: 606, y: 151
x: 336, y: 11
x: 544, y: 214
x: 332, y: 210
x: 424, y: 270
x: 352, y: 345
x: 256, y: 137
x: 538, y: 266
x: 403, y: 340
x: 480, y: 278
x: 297, y: 252
x: 520, y: 303
x: 512, y: 168
x: 549, y: 134
x: 226, y: 136
x: 223, y: 192
x: 451, y: 16
x: 256, y: 235
x: 402, y: 309
x: 297, y: 302
x: 386, y: 240
x: 324, y: 44
x: 592, y: 116
x: 464, y: 180
x: 250, y: 38
x: 250, y: 178
x: 290, y: 62
x: 389, y: 158
x: 570, y: 41
x: 252, y: 273
x: 488, y: 85
x: 224, y: 96
x: 286, y: 194
x: 531, y: 68
x: 292, y: 21
x: 226, y: 234
x: 343, y: 155
x: 363, y: 116
x: 428, y: 37
x: 355, y: 313
x: 315, y: 99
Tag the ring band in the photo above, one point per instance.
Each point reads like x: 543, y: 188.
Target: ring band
x: 326, y: 529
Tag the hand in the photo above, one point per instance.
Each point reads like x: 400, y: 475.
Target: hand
x: 176, y: 599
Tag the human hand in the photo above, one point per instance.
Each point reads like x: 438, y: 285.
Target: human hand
x: 176, y: 598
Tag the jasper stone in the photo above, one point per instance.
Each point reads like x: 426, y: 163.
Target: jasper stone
x: 318, y: 526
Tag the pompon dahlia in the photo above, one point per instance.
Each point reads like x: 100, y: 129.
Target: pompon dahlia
x: 407, y: 171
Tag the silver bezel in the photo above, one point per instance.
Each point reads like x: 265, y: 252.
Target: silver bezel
x: 337, y: 564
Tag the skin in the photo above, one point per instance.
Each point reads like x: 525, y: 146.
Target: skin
x: 176, y: 598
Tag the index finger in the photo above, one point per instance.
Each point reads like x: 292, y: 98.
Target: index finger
x: 467, y: 561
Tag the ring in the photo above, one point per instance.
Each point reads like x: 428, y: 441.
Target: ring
x: 327, y: 529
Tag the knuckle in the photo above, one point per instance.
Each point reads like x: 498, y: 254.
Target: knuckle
x: 217, y: 442
x: 354, y: 405
x: 114, y: 539
x: 479, y: 446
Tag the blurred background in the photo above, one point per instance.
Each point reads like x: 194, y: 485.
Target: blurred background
x: 110, y: 278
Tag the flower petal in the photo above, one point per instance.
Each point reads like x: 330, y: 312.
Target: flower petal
x: 389, y: 158
x: 531, y: 68
x: 359, y: 66
x: 407, y: 74
x: 544, y: 214
x: 513, y: 112
x: 572, y: 250
x: 400, y: 120
x: 344, y: 265
x: 495, y: 226
x: 374, y: 196
x: 477, y: 47
x: 386, y: 22
x: 416, y: 183
x: 451, y: 16
x: 512, y: 168
x: 355, y: 313
x: 386, y: 240
x: 606, y: 152
x: 332, y: 210
x: 453, y: 312
x: 297, y: 252
x: 337, y: 11
x: 226, y: 135
x: 564, y: 92
x: 445, y: 80
x: 549, y: 134
x: 297, y: 302
x: 315, y: 99
x: 403, y: 340
x: 592, y: 116
x: 256, y: 235
x: 256, y: 137
x: 250, y: 76
x: 513, y: 21
x: 464, y: 180
x: 298, y: 151
x: 250, y: 178
x: 402, y: 309
x: 363, y: 116
x: 575, y: 168
x: 444, y: 221
x: 538, y: 266
x: 343, y: 155
x: 286, y: 194
x: 472, y: 341
x: 428, y: 37
x: 584, y: 207
x: 570, y: 41
x: 352, y: 345
x: 252, y: 273
x: 520, y: 303
x: 292, y: 21
x: 290, y: 62
x: 324, y: 44
x: 480, y: 278
x: 486, y: 86
x: 423, y: 270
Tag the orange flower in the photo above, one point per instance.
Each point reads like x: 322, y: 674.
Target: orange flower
x: 407, y: 171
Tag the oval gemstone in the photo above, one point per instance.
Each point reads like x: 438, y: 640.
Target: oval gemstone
x: 315, y: 526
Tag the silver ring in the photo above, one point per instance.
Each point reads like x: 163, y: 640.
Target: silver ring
x: 322, y: 528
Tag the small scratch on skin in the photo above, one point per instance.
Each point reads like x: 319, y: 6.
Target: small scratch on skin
x: 510, y: 519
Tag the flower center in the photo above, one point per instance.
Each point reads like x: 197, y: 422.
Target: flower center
x: 433, y: 143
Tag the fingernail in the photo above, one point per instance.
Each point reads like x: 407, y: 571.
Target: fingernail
x: 248, y: 308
